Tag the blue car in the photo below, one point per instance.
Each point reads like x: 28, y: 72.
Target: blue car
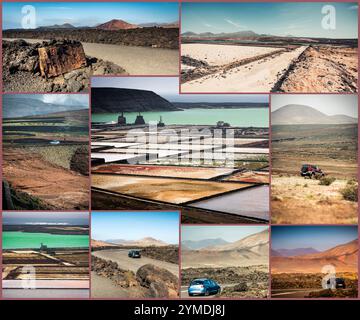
x: 203, y: 287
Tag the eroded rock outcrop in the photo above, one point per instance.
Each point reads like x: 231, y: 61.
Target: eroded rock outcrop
x: 161, y: 282
x: 56, y: 58
x: 64, y: 66
x: 79, y: 162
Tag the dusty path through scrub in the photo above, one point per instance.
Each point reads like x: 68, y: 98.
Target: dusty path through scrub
x: 295, y: 200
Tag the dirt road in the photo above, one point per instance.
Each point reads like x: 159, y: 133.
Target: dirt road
x: 291, y: 293
x: 135, y: 60
x: 102, y: 287
x: 258, y: 76
x: 120, y: 256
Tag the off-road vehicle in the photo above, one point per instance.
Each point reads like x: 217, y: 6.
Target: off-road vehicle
x: 311, y: 171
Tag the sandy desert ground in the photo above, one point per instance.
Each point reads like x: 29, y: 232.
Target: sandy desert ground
x: 56, y: 186
x: 231, y: 68
x: 257, y: 76
x: 295, y: 200
x: 215, y: 54
x: 333, y: 69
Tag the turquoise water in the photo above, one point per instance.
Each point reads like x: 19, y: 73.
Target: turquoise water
x: 27, y: 240
x: 255, y: 117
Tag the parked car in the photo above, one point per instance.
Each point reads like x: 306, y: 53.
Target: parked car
x: 203, y: 287
x: 134, y: 254
x: 339, y: 283
x: 311, y: 171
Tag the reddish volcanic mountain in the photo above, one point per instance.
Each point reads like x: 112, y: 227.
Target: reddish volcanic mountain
x: 116, y: 25
x: 249, y: 251
x: 343, y: 257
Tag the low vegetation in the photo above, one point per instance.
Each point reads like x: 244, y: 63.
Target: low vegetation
x: 350, y: 192
x: 326, y: 181
x: 163, y: 253
x: 59, y: 155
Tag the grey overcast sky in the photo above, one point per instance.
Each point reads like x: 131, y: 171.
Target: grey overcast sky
x: 330, y: 104
x: 168, y: 88
x: 227, y: 233
x: 64, y: 218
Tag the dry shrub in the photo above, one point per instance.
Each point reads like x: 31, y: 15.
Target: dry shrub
x: 350, y: 192
x: 326, y: 181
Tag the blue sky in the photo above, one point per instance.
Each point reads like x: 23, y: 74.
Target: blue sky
x: 296, y: 19
x: 317, y: 237
x: 135, y: 225
x: 227, y: 233
x: 168, y: 87
x: 91, y: 13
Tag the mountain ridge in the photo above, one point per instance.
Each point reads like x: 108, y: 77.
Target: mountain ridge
x: 249, y: 251
x: 114, y: 100
x: 343, y: 257
x: 293, y: 114
x: 195, y: 245
x: 143, y: 242
x: 295, y: 251
x: 116, y: 24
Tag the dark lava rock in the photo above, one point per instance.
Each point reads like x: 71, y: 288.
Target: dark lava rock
x: 21, y: 67
x: 111, y: 270
x: 61, y: 57
x: 242, y: 286
x: 161, y: 282
x: 80, y: 161
x: 144, y: 37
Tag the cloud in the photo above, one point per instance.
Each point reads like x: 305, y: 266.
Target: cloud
x: 58, y: 8
x: 235, y: 24
x: 207, y: 25
x: 354, y: 7
x: 66, y: 99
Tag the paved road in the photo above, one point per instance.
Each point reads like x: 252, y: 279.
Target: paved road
x: 120, y: 256
x: 291, y: 293
x: 184, y: 292
x: 135, y: 60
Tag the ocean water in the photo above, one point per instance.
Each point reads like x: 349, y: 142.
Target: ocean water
x: 255, y: 117
x: 27, y: 240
